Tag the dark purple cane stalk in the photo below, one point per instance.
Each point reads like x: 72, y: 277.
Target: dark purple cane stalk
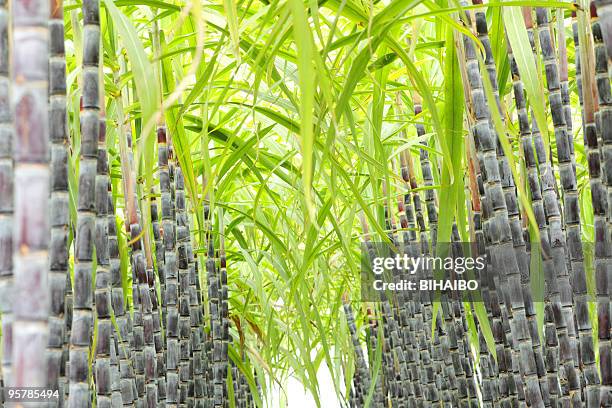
x: 68, y: 299
x: 6, y: 199
x: 548, y: 380
x: 361, y: 378
x: 196, y: 382
x: 584, y: 360
x: 153, y: 336
x: 603, y: 273
x: 144, y: 347
x: 159, y: 318
x: 565, y: 92
x: 448, y: 386
x: 571, y: 209
x: 395, y: 309
x: 490, y: 379
x: 31, y: 228
x: 417, y: 307
x: 604, y: 11
x: 467, y: 383
x: 390, y: 383
x: 216, y: 330
x: 427, y: 173
x: 404, y: 307
x: 527, y: 368
x: 127, y: 382
x: 184, y: 327
x: 102, y: 296
x: 60, y: 217
x: 504, y: 248
x: 212, y: 299
x: 171, y: 272
x: 114, y: 268
x: 189, y: 298
x: 222, y: 272
x: 138, y: 276
x: 86, y: 217
x: 559, y: 342
x: 378, y: 399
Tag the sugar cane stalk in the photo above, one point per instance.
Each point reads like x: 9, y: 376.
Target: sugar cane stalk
x: 503, y: 236
x: 603, y: 273
x: 170, y: 272
x: 6, y: 199
x: 31, y: 230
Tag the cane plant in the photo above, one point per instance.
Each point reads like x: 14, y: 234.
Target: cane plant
x: 6, y: 202
x: 28, y: 93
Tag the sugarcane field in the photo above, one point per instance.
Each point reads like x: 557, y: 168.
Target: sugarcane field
x: 305, y: 203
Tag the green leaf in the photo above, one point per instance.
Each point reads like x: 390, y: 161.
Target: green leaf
x: 523, y: 55
x: 232, y: 21
x: 307, y: 80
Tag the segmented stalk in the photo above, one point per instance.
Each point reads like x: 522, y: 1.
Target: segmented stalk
x: 150, y: 312
x: 440, y: 336
x: 502, y: 237
x: 102, y: 370
x: 428, y: 345
x: 152, y: 326
x: 546, y: 379
x: 127, y: 383
x: 604, y: 272
x: 68, y: 303
x: 572, y: 214
x: 146, y: 363
x: 361, y: 378
x: 389, y: 379
x: 564, y: 83
x: 245, y: 390
x: 201, y: 380
x: 182, y: 238
x: 215, y: 325
x: 488, y: 368
x: 560, y: 344
x: 423, y: 319
x: 138, y: 278
x: 419, y: 358
x: 60, y: 217
x: 604, y: 11
x: 115, y: 374
x: 224, y: 363
x: 119, y: 349
x: 378, y: 399
x: 509, y: 388
x: 496, y: 310
x: 467, y: 386
x: 527, y: 366
x: 208, y: 343
x: 196, y: 382
x: 171, y: 272
x: 397, y: 317
x: 571, y: 210
x: 6, y: 199
x: 403, y: 307
x: 158, y: 318
x: 31, y: 229
x: 90, y: 128
x: 427, y: 173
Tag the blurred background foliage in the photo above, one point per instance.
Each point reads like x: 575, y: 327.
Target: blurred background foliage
x: 291, y: 117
